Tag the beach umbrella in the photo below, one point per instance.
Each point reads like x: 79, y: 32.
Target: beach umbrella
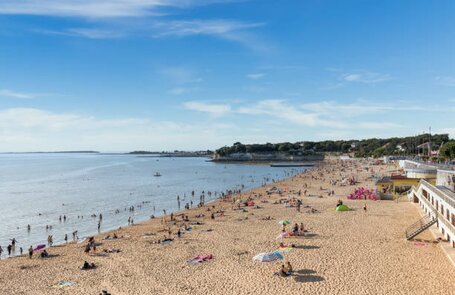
x: 268, y: 257
x: 284, y: 222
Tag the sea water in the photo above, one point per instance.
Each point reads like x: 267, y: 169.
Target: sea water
x: 38, y: 188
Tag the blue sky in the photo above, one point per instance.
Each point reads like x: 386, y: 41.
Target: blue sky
x: 124, y: 75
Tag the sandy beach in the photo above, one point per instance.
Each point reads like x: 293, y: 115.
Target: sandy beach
x: 353, y: 252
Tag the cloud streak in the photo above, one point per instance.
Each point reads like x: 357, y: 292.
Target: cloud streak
x: 217, y: 27
x: 23, y: 95
x: 255, y: 76
x: 31, y: 129
x: 365, y: 77
x: 213, y: 109
x: 15, y: 94
x: 98, y: 8
x: 324, y: 114
x: 109, y: 19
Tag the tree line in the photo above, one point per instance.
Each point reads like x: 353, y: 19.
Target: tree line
x: 361, y: 148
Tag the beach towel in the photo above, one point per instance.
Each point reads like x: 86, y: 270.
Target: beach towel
x: 63, y: 284
x: 39, y: 247
x: 200, y: 259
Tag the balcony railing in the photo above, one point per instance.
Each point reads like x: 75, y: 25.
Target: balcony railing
x: 439, y: 193
x: 439, y: 215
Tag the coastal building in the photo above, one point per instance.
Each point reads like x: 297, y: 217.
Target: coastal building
x: 437, y: 202
x: 411, y: 173
x: 389, y: 187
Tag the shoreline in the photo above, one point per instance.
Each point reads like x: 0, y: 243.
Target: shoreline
x: 60, y: 242
x: 352, y: 252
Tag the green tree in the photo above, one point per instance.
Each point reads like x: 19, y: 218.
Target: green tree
x: 448, y: 150
x: 379, y: 152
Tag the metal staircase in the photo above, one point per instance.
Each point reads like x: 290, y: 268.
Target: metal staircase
x: 420, y: 226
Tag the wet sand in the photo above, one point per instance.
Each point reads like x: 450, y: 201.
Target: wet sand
x: 352, y: 252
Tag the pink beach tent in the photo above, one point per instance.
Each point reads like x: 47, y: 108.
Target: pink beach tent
x: 363, y: 193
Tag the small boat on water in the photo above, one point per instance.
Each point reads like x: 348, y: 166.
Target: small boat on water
x: 157, y: 174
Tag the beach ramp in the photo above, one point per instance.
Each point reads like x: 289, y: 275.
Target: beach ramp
x: 420, y: 226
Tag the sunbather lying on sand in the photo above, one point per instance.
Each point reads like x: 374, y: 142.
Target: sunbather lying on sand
x: 87, y: 265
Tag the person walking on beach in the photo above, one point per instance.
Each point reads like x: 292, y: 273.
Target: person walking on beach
x: 365, y: 208
x: 21, y: 250
x: 9, y: 248
x: 178, y: 201
x: 87, y: 248
x: 99, y: 226
x: 1, y: 251
x: 66, y: 238
x: 30, y: 252
x: 13, y: 242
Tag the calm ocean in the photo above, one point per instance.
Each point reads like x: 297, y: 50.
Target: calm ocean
x: 36, y: 189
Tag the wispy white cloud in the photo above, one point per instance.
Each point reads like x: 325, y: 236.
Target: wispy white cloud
x: 178, y: 91
x: 107, y: 19
x: 231, y: 30
x: 318, y: 115
x: 90, y: 33
x: 98, y: 8
x: 377, y: 125
x: 30, y: 129
x: 15, y: 94
x: 213, y: 109
x: 279, y: 109
x: 24, y: 95
x: 217, y: 27
x: 365, y: 77
x: 255, y: 76
x: 93, y: 33
x: 445, y: 81
x: 180, y: 75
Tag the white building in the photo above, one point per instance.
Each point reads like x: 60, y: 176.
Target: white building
x: 438, y: 204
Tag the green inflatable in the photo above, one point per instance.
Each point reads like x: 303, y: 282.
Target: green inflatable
x: 342, y: 208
